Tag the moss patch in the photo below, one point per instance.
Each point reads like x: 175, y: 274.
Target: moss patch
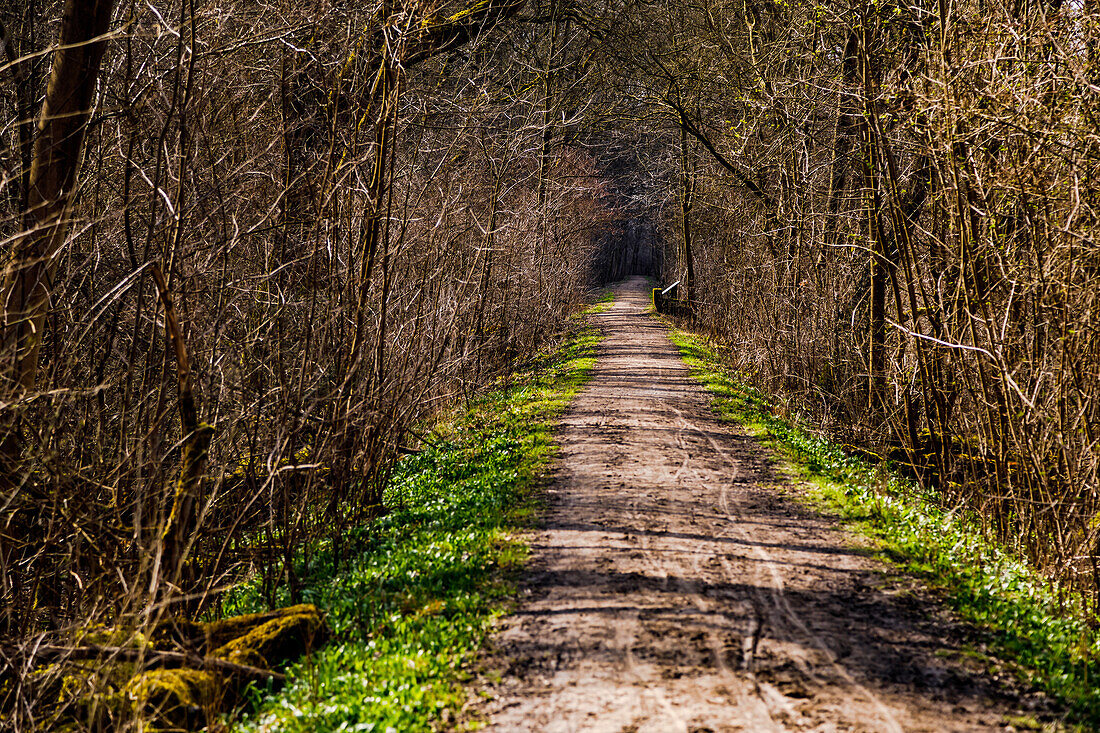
x: 205, y: 638
x: 272, y: 643
x: 100, y: 690
x: 176, y: 698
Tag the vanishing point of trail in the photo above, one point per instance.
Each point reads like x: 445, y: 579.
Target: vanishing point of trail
x: 675, y: 586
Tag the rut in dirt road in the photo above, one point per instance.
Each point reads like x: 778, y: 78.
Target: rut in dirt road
x: 674, y: 588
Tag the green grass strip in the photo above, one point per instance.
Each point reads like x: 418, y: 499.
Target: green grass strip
x: 1050, y: 645
x: 418, y: 589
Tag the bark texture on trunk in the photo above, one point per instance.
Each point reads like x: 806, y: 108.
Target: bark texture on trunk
x: 58, y: 143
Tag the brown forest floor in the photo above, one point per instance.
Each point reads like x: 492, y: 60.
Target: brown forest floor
x: 676, y: 585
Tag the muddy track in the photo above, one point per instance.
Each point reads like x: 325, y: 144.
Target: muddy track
x: 676, y: 586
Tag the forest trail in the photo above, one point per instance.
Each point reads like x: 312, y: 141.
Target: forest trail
x: 675, y: 587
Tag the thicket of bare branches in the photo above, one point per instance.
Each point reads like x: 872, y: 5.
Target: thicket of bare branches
x: 291, y: 233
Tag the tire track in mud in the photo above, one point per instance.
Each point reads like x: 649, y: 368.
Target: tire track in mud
x: 674, y: 588
x: 784, y: 612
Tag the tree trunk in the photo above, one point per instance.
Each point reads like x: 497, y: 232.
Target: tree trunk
x: 687, y: 200
x: 876, y: 347
x: 30, y: 267
x: 847, y: 119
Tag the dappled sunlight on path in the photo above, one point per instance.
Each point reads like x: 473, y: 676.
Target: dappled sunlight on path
x: 675, y: 586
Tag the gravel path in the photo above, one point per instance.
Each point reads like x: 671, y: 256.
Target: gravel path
x: 675, y: 586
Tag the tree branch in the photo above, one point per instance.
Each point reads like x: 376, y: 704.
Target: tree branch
x: 743, y: 178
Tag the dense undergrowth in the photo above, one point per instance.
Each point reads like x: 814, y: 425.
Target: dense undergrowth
x: 415, y: 592
x: 1042, y: 631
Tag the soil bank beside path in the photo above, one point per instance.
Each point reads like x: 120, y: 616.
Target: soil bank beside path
x: 673, y: 587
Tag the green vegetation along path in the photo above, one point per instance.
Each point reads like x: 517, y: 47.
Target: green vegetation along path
x: 678, y: 585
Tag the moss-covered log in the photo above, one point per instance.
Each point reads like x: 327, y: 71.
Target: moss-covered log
x: 180, y: 675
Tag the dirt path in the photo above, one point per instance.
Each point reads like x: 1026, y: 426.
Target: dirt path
x: 673, y: 587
